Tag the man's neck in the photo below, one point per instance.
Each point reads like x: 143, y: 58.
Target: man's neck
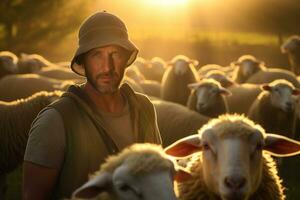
x: 113, y: 102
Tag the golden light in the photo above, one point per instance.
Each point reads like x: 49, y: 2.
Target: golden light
x: 166, y: 2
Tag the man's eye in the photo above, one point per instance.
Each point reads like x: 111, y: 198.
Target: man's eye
x: 116, y: 55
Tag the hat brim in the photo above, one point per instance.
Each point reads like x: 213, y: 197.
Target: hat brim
x: 125, y: 43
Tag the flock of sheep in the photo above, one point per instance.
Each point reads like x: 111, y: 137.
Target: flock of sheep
x: 220, y: 125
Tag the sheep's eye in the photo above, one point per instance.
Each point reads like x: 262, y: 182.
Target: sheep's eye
x: 206, y: 146
x: 124, y: 187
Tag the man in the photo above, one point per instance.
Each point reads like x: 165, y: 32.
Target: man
x: 72, y: 137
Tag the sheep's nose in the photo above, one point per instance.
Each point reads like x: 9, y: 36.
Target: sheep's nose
x: 235, y: 182
x: 200, y: 106
x: 289, y: 105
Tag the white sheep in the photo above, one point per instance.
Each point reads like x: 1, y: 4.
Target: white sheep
x: 245, y: 67
x: 25, y: 85
x: 16, y: 118
x: 158, y: 67
x: 176, y: 121
x: 221, y: 77
x: 29, y: 63
x: 207, y: 97
x: 139, y: 172
x: 176, y: 78
x: 231, y: 160
x: 274, y: 107
x: 292, y: 48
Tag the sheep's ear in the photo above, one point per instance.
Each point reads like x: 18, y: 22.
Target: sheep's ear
x: 224, y: 91
x: 228, y: 83
x: 182, y: 175
x: 266, y: 87
x: 194, y: 62
x: 235, y: 63
x: 260, y: 63
x: 193, y: 86
x: 93, y: 187
x: 296, y: 91
x: 185, y: 146
x: 281, y: 146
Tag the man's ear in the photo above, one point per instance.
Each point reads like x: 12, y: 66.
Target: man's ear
x: 281, y: 146
x: 185, y: 146
x: 93, y: 187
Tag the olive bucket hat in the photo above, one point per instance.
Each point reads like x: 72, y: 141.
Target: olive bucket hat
x: 99, y: 30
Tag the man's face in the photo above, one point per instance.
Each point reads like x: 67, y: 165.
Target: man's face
x: 104, y: 67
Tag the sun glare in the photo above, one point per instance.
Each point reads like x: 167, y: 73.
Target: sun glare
x: 167, y: 2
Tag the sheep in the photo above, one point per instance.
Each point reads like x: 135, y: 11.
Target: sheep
x: 152, y: 88
x: 296, y: 122
x: 231, y: 160
x: 176, y: 121
x: 204, y: 70
x: 142, y: 65
x: 141, y: 171
x: 221, y: 77
x: 8, y: 63
x: 272, y: 74
x: 133, y: 73
x: 274, y: 107
x: 207, y: 68
x: 18, y: 86
x: 29, y: 63
x: 243, y: 95
x: 17, y: 117
x: 292, y: 48
x: 207, y: 98
x: 60, y: 74
x: 176, y: 78
x: 245, y: 67
x: 158, y: 67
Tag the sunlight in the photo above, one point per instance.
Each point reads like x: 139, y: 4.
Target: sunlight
x: 166, y: 2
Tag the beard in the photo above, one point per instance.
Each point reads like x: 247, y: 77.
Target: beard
x: 105, y: 86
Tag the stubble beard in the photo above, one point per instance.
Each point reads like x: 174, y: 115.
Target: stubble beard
x: 105, y: 88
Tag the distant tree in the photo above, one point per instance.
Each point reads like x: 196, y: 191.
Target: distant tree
x: 37, y: 22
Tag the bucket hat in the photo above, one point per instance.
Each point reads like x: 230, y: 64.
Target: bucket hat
x: 99, y: 30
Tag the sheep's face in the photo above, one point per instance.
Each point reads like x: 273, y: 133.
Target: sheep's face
x: 207, y: 97
x: 158, y: 66
x: 121, y: 184
x: 249, y: 67
x: 137, y: 187
x: 291, y: 46
x: 281, y: 96
x: 232, y: 165
x: 181, y: 67
x: 9, y: 64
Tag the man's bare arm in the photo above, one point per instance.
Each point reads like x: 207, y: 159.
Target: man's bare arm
x: 38, y: 181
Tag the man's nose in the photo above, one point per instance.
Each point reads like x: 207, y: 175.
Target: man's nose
x: 108, y: 64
